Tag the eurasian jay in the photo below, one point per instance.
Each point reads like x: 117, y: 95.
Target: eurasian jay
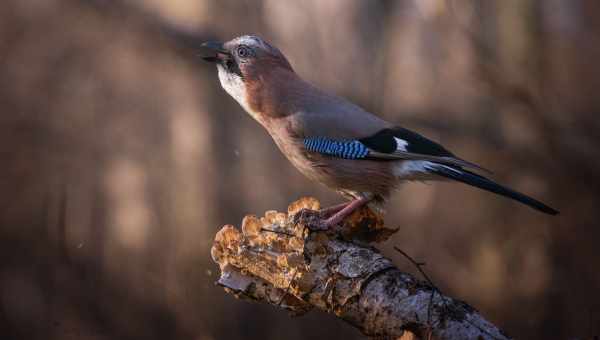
x: 331, y: 140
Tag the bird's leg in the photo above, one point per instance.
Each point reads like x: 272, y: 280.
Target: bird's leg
x: 327, y: 212
x: 343, y: 213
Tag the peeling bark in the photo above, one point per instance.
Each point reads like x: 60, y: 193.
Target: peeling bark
x: 280, y: 260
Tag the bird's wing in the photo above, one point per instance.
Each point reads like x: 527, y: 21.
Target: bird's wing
x: 388, y: 144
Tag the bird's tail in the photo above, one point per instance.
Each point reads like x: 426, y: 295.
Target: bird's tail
x: 481, y: 182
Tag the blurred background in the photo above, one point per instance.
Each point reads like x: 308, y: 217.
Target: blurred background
x: 121, y: 156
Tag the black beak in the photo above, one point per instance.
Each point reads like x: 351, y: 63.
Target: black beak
x: 214, y: 52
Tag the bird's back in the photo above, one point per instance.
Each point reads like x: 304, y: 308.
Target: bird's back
x: 318, y: 113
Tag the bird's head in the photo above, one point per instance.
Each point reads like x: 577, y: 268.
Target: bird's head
x: 245, y: 56
x: 243, y: 63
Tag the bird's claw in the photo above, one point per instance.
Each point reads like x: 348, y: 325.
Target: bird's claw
x: 306, y: 217
x: 319, y: 226
x: 311, y: 219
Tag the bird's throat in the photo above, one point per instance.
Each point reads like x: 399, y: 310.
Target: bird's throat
x: 234, y: 85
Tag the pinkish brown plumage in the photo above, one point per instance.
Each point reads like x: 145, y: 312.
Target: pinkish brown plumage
x: 331, y: 140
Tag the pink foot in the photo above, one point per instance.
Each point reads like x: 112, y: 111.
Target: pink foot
x: 329, y: 211
x: 340, y: 215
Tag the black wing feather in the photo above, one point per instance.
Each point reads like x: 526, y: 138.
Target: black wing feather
x: 481, y: 182
x: 385, y: 147
x: 384, y: 141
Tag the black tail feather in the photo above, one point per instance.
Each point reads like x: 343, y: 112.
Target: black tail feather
x: 481, y: 182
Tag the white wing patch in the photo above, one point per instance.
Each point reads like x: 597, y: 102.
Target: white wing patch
x: 412, y: 169
x: 400, y: 144
x: 418, y: 170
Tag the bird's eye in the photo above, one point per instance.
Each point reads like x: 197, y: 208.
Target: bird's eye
x: 243, y: 52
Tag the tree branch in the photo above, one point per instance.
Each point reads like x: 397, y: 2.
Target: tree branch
x: 278, y: 259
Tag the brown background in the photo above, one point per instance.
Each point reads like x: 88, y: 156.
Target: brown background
x: 120, y: 157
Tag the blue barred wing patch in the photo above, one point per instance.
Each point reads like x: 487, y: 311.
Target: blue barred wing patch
x: 348, y: 149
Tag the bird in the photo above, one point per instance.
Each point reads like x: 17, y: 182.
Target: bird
x: 333, y: 141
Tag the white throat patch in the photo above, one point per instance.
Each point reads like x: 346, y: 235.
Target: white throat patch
x: 235, y: 87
